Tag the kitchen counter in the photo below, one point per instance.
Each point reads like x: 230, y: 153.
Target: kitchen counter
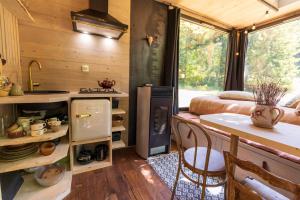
x: 51, y: 98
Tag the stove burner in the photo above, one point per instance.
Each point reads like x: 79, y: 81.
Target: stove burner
x: 98, y: 91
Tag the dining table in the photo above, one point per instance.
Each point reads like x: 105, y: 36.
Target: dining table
x: 283, y: 136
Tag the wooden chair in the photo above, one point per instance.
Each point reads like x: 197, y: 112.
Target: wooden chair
x: 202, y: 161
x: 254, y: 189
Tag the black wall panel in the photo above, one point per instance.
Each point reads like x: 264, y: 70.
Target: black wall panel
x: 146, y: 63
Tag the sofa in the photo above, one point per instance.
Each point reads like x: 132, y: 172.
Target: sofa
x: 277, y: 162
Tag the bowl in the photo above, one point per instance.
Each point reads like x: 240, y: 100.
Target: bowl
x: 49, y: 175
x: 16, y: 133
x: 4, y: 93
x: 47, y: 148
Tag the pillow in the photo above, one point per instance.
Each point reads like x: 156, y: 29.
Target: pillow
x: 236, y: 95
x: 293, y: 102
x: 297, y: 112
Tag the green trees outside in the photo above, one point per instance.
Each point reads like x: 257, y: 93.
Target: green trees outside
x: 273, y: 54
x: 202, y: 57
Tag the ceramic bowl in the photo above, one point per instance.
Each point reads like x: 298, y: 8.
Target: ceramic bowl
x: 49, y: 175
x: 4, y: 93
x: 16, y: 133
x: 47, y: 148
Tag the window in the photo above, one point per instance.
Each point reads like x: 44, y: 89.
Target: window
x: 274, y: 53
x: 202, y: 60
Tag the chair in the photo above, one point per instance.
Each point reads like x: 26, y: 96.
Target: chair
x: 202, y: 161
x: 251, y: 188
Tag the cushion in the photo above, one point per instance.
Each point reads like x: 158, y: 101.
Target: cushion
x: 237, y: 95
x: 297, y: 112
x: 213, y: 105
x: 293, y: 102
x: 216, y: 161
x: 263, y: 190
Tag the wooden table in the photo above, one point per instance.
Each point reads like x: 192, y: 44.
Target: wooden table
x: 284, y: 137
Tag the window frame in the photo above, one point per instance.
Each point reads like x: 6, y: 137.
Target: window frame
x: 210, y: 26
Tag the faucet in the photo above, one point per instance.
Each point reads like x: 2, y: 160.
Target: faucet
x: 32, y: 84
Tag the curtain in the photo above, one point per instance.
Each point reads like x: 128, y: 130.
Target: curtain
x: 238, y: 43
x: 171, y: 60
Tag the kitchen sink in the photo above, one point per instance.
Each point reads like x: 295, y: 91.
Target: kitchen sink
x: 37, y: 92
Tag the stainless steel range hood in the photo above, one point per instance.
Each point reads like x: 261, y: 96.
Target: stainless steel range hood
x: 97, y: 21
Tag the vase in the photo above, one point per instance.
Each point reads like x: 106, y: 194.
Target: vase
x: 265, y: 116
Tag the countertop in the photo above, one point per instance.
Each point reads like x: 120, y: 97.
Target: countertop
x: 50, y: 98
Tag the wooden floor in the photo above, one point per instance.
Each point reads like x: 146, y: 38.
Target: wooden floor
x: 130, y: 177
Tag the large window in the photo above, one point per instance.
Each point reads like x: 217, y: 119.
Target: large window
x: 202, y: 60
x: 274, y: 53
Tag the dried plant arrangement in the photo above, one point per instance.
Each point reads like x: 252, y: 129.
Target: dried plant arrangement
x: 268, y: 93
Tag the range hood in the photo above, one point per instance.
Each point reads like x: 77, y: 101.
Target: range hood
x: 97, y: 21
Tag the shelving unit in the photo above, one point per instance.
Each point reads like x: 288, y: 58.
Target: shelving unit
x: 77, y: 168
x: 118, y: 144
x: 36, y: 159
x: 118, y: 128
x: 118, y: 111
x: 30, y: 190
x: 30, y: 139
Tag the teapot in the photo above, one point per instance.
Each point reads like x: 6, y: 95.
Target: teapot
x: 107, y: 84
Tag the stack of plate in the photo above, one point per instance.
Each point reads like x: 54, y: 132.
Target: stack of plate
x: 18, y: 152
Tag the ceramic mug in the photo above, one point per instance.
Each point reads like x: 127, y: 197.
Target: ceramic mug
x: 54, y: 123
x: 266, y: 116
x: 39, y: 121
x: 52, y: 119
x: 37, y: 126
x: 38, y: 132
x: 21, y: 120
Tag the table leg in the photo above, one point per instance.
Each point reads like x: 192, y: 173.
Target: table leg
x: 234, y: 144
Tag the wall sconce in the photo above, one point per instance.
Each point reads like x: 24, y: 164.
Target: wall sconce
x: 150, y: 39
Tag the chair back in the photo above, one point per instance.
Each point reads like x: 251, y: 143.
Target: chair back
x: 235, y: 187
x: 186, y: 129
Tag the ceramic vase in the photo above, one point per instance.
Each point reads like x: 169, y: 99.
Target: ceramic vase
x: 265, y: 116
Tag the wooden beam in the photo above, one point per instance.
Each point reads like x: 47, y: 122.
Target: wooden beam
x: 277, y: 20
x: 197, y: 15
x: 269, y: 5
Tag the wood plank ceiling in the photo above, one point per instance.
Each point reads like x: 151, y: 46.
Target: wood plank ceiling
x: 238, y: 13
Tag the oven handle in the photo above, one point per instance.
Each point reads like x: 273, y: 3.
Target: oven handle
x: 83, y: 115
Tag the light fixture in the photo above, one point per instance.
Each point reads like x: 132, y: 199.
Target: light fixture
x: 253, y: 27
x: 97, y: 21
x: 246, y: 31
x: 267, y: 13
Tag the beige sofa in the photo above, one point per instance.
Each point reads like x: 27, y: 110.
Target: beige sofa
x: 280, y: 163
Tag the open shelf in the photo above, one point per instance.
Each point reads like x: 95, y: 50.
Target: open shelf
x: 30, y: 190
x: 36, y: 159
x: 118, y: 111
x: 31, y: 139
x: 118, y: 144
x: 74, y: 143
x: 118, y: 128
x: 77, y: 168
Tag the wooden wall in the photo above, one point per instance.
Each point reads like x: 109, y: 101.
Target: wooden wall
x: 9, y: 45
x: 146, y: 63
x: 61, y: 51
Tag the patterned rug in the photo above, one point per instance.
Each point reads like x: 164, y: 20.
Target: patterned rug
x: 165, y: 166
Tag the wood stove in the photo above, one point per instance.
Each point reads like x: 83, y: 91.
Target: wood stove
x: 154, y: 111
